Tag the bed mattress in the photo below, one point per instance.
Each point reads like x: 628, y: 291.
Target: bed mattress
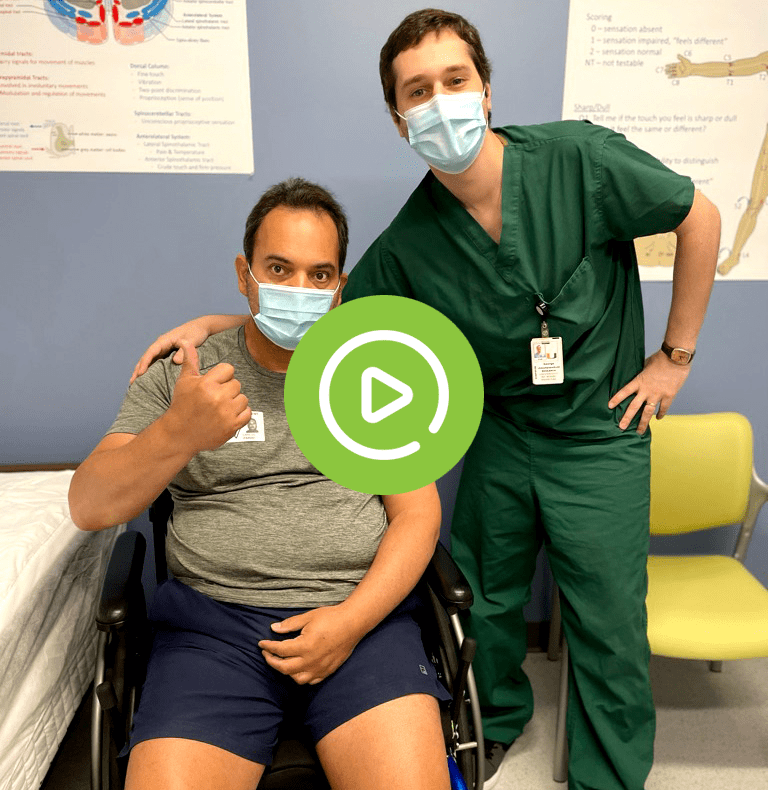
x: 50, y: 573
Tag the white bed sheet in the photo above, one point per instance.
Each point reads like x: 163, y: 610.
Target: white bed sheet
x: 50, y: 573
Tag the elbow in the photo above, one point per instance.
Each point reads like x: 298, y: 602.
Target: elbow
x: 83, y: 511
x: 435, y: 519
x: 79, y: 514
x: 73, y: 500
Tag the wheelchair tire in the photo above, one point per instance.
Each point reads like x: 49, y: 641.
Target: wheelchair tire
x: 447, y: 664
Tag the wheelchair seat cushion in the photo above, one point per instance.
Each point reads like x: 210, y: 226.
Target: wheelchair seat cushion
x: 207, y: 679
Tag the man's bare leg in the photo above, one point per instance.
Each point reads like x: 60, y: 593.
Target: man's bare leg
x: 395, y: 746
x: 182, y: 764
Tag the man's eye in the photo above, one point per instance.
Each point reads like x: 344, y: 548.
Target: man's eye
x: 322, y: 276
x: 417, y: 93
x: 277, y: 268
x: 457, y: 80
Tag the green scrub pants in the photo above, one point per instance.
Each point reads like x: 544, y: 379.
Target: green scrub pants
x: 587, y: 502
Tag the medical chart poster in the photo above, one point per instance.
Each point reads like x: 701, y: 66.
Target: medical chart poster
x: 687, y: 82
x: 142, y: 86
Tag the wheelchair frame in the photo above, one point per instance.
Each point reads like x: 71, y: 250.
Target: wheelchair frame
x: 123, y: 650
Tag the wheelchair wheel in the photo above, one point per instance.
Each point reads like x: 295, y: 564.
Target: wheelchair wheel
x: 463, y: 734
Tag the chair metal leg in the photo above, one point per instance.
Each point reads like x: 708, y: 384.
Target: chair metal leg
x: 715, y: 666
x: 555, y: 626
x: 560, y: 769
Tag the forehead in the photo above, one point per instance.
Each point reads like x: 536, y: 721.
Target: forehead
x: 302, y: 236
x: 435, y: 52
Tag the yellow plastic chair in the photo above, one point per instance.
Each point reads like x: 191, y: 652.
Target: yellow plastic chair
x: 699, y: 607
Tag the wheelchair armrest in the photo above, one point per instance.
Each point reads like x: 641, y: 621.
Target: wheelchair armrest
x: 447, y: 581
x: 122, y: 592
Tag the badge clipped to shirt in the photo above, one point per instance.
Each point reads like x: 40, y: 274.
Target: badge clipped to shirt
x: 546, y: 352
x: 253, y: 431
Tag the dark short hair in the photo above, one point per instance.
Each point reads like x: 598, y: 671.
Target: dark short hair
x: 413, y: 29
x: 297, y: 193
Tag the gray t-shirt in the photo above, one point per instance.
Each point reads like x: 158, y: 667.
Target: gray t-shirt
x: 254, y: 522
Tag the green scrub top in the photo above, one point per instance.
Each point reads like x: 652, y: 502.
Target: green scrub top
x: 574, y: 196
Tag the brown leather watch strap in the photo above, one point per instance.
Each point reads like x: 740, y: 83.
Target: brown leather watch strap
x: 677, y: 358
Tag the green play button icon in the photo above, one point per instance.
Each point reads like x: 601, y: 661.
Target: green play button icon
x: 383, y: 395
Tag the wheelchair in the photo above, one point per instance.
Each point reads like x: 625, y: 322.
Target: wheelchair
x: 124, y: 640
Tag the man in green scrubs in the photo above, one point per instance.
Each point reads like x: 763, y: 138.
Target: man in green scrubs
x: 521, y: 236
x: 539, y: 225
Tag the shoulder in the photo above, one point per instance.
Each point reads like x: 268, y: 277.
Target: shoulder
x: 221, y: 347
x: 419, y: 201
x: 598, y: 148
x: 556, y: 132
x: 560, y: 145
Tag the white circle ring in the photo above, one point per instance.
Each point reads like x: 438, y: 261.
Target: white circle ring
x: 361, y: 340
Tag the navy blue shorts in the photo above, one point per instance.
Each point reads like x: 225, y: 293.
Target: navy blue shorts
x: 208, y: 681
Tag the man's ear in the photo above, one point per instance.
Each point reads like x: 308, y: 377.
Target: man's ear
x: 400, y: 124
x: 488, y: 96
x: 241, y: 267
x: 337, y: 299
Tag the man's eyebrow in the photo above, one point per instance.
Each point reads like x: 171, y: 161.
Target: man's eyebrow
x: 317, y: 266
x: 447, y: 70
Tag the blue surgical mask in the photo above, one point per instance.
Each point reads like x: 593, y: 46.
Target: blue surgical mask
x: 448, y: 130
x: 287, y: 312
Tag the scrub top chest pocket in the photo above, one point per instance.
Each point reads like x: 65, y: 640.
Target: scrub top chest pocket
x: 569, y: 316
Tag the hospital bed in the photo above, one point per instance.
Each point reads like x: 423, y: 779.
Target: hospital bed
x: 50, y: 573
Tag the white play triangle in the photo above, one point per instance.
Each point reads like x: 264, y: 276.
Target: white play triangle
x: 406, y: 395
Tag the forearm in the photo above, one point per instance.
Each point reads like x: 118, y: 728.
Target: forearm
x: 743, y: 67
x: 329, y: 634
x: 402, y: 556
x: 115, y: 484
x: 698, y: 240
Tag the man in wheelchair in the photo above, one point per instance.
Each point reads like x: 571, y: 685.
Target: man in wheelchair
x: 290, y: 593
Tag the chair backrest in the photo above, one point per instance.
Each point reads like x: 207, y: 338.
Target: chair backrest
x: 159, y: 514
x: 701, y: 468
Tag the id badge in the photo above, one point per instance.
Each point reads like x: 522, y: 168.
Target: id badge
x: 253, y: 432
x: 547, y: 360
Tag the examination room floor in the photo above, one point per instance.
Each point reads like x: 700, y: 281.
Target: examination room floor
x: 712, y: 731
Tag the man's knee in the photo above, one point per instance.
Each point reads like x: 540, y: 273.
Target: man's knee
x: 170, y: 763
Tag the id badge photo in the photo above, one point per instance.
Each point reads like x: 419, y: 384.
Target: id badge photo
x: 547, y: 360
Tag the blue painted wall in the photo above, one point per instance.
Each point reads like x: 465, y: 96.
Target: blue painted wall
x: 94, y: 266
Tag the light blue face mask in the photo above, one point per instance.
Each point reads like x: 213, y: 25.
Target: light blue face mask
x: 287, y: 312
x: 448, y: 130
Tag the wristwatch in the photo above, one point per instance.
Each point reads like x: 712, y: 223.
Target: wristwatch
x: 680, y: 356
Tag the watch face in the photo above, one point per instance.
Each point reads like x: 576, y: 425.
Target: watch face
x: 680, y: 356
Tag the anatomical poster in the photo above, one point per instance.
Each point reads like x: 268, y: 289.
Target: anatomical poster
x: 143, y: 86
x: 687, y: 82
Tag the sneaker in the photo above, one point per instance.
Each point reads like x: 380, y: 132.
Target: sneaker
x: 494, y: 754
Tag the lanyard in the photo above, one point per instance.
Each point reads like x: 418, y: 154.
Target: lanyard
x: 542, y: 308
x: 546, y: 352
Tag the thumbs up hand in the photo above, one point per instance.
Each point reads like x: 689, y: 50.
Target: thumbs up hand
x: 207, y: 409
